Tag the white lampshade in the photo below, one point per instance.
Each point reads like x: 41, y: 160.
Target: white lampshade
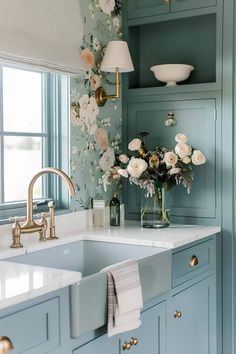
x: 117, y: 55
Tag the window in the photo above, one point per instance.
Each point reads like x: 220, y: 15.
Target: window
x: 31, y: 106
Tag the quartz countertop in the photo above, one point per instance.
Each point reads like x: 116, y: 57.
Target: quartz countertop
x: 21, y: 282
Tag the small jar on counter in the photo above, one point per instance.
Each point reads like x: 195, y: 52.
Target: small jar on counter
x: 99, y: 215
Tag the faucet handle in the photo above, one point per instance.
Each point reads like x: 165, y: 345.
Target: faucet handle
x: 43, y: 222
x: 52, y: 228
x: 16, y: 232
x: 12, y: 219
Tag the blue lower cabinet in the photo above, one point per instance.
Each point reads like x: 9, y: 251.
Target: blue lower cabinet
x: 101, y: 345
x: 34, y: 330
x: 149, y: 338
x: 191, y: 320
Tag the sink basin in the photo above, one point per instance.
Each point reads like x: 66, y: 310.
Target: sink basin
x: 88, y: 298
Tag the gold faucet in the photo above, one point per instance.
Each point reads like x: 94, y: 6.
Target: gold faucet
x: 30, y: 225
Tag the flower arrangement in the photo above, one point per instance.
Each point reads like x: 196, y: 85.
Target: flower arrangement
x: 156, y: 171
x: 158, y: 168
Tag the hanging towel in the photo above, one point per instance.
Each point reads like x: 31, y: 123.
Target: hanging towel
x: 124, y: 297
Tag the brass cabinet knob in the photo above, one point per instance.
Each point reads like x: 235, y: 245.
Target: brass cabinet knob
x: 5, y: 344
x: 193, y: 261
x: 177, y: 314
x: 134, y: 341
x: 127, y: 346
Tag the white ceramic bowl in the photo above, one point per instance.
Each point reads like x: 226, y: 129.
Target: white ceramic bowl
x: 172, y: 73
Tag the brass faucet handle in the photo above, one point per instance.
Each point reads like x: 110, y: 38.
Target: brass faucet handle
x: 43, y: 222
x: 16, y: 232
x: 12, y: 219
x: 52, y: 227
x: 6, y: 344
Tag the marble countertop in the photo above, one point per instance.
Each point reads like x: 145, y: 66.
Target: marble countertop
x: 19, y: 282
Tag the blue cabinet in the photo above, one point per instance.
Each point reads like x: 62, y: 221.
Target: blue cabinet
x: 143, y: 8
x: 194, y: 117
x: 191, y: 322
x: 148, y: 338
x: 34, y: 330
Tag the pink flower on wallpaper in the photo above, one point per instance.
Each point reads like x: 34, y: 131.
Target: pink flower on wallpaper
x: 95, y: 82
x: 87, y: 58
x: 101, y: 138
x: 107, y: 160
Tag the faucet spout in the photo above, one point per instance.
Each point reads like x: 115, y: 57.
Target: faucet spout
x: 30, y: 225
x: 29, y: 220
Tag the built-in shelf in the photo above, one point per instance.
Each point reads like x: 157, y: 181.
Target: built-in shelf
x: 186, y: 40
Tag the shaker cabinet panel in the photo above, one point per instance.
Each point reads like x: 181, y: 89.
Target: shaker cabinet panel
x: 182, y: 5
x: 34, y: 330
x: 196, y: 119
x: 149, y: 338
x: 191, y: 324
x: 143, y: 8
x: 100, y: 345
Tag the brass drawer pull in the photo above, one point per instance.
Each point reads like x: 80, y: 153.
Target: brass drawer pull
x: 127, y: 346
x: 5, y: 344
x: 193, y: 261
x: 134, y: 341
x: 177, y: 314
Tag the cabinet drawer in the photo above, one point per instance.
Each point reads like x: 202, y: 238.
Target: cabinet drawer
x: 33, y: 330
x: 192, y: 261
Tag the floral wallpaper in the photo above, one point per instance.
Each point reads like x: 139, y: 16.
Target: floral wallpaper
x: 95, y: 131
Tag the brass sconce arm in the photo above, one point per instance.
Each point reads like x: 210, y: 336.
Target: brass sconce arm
x: 101, y: 96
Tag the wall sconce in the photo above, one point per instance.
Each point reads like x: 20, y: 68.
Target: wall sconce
x: 116, y: 60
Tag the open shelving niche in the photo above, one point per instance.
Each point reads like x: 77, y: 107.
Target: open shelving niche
x: 190, y: 40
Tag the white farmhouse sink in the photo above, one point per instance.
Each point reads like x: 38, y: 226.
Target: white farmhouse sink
x: 88, y: 298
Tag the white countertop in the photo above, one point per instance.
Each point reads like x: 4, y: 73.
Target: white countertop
x: 20, y: 282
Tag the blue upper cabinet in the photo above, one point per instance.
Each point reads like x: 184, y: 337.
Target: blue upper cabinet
x: 144, y: 8
x: 182, y: 5
x: 198, y: 120
x: 141, y: 8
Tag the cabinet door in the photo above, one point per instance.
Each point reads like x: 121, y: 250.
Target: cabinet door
x: 149, y: 338
x: 101, y: 345
x: 141, y: 8
x: 196, y: 119
x: 191, y: 320
x: 182, y: 5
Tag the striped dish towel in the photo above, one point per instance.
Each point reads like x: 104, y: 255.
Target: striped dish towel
x: 124, y: 297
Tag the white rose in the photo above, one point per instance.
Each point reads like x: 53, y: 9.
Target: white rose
x: 170, y: 158
x: 107, y: 160
x: 174, y: 170
x: 123, y: 158
x: 107, y: 6
x: 198, y: 158
x: 123, y: 172
x: 181, y: 138
x: 135, y: 144
x: 186, y: 160
x: 183, y: 150
x: 136, y: 167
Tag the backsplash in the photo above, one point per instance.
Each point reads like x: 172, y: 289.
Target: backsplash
x: 95, y: 131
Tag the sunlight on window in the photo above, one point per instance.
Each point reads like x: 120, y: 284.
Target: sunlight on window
x: 22, y: 159
x: 22, y: 100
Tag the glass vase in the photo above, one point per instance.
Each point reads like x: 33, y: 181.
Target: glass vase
x: 153, y: 210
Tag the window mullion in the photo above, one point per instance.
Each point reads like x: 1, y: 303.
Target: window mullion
x: 1, y: 138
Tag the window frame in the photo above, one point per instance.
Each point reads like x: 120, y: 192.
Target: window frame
x: 55, y: 148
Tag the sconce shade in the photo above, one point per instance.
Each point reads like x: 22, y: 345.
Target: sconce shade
x: 117, y: 55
